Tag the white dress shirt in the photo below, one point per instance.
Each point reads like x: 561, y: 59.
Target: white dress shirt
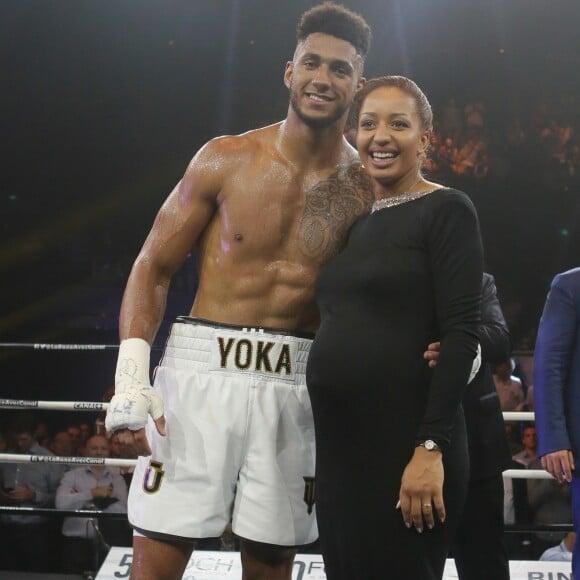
x: 74, y: 492
x: 559, y: 553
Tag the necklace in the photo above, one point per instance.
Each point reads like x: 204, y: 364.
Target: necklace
x: 385, y: 202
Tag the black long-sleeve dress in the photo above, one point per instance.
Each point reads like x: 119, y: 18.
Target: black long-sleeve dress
x: 409, y: 275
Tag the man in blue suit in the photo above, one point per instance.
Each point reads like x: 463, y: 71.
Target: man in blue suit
x: 557, y: 389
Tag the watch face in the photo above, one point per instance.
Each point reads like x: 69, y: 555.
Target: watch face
x: 429, y: 445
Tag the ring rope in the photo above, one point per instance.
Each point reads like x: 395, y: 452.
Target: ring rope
x: 51, y: 346
x: 111, y: 461
x: 53, y: 405
x: 31, y: 510
x: 527, y: 474
x: 96, y: 406
x: 47, y: 346
x: 19, y: 458
x: 65, y: 346
x: 519, y: 415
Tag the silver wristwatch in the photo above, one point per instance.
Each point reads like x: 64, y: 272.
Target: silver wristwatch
x: 430, y: 445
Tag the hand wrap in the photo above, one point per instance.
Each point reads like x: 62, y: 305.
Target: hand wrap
x: 134, y: 397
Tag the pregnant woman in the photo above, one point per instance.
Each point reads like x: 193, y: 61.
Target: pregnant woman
x: 392, y: 461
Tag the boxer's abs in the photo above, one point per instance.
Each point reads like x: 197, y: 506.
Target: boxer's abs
x: 278, y: 294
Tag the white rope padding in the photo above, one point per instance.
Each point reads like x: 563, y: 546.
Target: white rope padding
x: 49, y: 346
x: 519, y: 416
x: 527, y: 474
x: 95, y: 406
x: 111, y: 461
x: 53, y: 405
x: 18, y: 458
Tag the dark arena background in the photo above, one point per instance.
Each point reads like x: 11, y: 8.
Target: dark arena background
x: 104, y: 102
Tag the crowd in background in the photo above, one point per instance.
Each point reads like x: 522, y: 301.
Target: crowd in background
x: 467, y: 143
x: 71, y: 545
x: 43, y: 541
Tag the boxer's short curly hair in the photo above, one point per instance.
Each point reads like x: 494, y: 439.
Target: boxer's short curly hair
x: 338, y: 21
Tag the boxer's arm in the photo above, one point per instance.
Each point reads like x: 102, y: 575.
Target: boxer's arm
x: 177, y: 228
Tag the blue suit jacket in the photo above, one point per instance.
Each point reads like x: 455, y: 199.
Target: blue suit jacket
x: 557, y: 367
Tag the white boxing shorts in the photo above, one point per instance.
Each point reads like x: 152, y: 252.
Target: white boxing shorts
x: 240, y: 439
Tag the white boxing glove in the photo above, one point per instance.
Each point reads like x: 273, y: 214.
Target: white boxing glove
x: 476, y: 364
x: 134, y: 397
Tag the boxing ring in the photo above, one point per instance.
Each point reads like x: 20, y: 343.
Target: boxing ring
x: 226, y: 565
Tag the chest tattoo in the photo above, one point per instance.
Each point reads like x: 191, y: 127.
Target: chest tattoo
x: 331, y: 208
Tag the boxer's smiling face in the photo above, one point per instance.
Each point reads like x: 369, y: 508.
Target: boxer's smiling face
x: 322, y: 78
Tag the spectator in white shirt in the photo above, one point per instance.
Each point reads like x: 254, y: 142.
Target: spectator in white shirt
x: 27, y: 539
x: 562, y: 552
x: 93, y: 486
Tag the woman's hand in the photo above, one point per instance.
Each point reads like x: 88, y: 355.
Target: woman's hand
x: 421, y: 493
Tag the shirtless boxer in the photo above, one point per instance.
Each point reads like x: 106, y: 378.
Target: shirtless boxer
x: 263, y: 210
